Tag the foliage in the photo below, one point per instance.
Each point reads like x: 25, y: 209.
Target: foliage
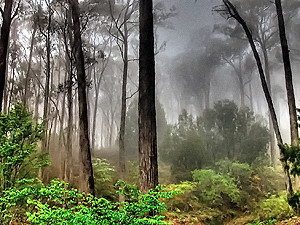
x: 234, y: 132
x: 275, y: 207
x: 59, y: 205
x: 218, y: 188
x: 18, y: 137
x: 222, y: 132
x: 104, y: 176
x: 184, y: 147
x: 13, y: 201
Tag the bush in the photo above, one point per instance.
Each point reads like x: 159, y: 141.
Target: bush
x: 19, y: 160
x: 59, y: 205
x: 215, y: 189
x: 275, y: 207
x: 104, y: 175
x: 18, y: 137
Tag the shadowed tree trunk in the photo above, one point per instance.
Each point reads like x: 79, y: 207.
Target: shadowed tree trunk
x: 4, y: 43
x: 147, y: 116
x: 86, y: 175
x: 288, y: 75
x: 232, y: 11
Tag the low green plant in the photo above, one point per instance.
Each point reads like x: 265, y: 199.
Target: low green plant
x: 19, y: 160
x: 275, y: 207
x: 269, y: 222
x: 59, y: 205
x: 104, y: 175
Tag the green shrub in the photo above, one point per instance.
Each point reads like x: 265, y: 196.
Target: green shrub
x: 104, y: 175
x: 13, y: 201
x: 62, y: 206
x: 19, y: 160
x: 186, y: 201
x: 18, y: 137
x: 214, y: 189
x: 275, y: 207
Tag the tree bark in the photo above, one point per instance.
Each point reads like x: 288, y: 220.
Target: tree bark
x: 147, y: 116
x: 27, y: 76
x: 86, y: 175
x: 288, y: 75
x: 4, y: 43
x: 122, y: 167
x: 234, y: 13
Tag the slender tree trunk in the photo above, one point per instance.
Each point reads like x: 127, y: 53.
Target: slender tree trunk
x: 288, y: 75
x: 27, y: 75
x: 147, y: 114
x: 69, y: 155
x: 86, y: 175
x: 45, y: 146
x: 268, y: 80
x: 47, y: 87
x: 4, y: 43
x: 234, y: 13
x: 123, y: 106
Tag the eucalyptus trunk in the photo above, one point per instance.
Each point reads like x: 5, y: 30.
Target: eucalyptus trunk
x: 234, y: 13
x: 4, y: 44
x: 288, y: 75
x: 86, y: 175
x: 147, y: 115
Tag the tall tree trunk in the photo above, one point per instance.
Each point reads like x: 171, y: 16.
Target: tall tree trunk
x: 123, y: 105
x: 86, y: 175
x: 147, y: 116
x: 69, y: 155
x: 234, y: 13
x: 4, y: 43
x: 288, y: 75
x: 268, y: 80
x: 45, y: 146
x: 27, y: 75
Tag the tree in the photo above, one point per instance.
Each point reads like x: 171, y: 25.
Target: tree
x: 131, y: 129
x: 86, y: 175
x: 147, y: 115
x: 230, y: 11
x: 288, y: 75
x: 122, y: 34
x: 4, y: 43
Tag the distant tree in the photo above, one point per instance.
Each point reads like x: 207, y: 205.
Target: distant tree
x: 184, y: 147
x: 86, y: 175
x: 234, y: 132
x: 123, y: 29
x: 147, y: 115
x: 225, y: 131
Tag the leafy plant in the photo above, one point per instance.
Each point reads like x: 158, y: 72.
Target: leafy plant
x: 104, y: 175
x: 275, y: 207
x: 214, y: 188
x: 62, y: 206
x: 19, y: 134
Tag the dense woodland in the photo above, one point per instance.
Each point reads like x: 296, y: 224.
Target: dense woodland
x: 100, y: 124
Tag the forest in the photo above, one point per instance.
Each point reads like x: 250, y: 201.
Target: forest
x: 149, y: 112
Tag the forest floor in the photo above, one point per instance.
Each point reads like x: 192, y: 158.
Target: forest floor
x: 292, y: 221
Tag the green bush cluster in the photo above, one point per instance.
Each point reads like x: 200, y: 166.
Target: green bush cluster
x: 227, y: 190
x: 57, y: 204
